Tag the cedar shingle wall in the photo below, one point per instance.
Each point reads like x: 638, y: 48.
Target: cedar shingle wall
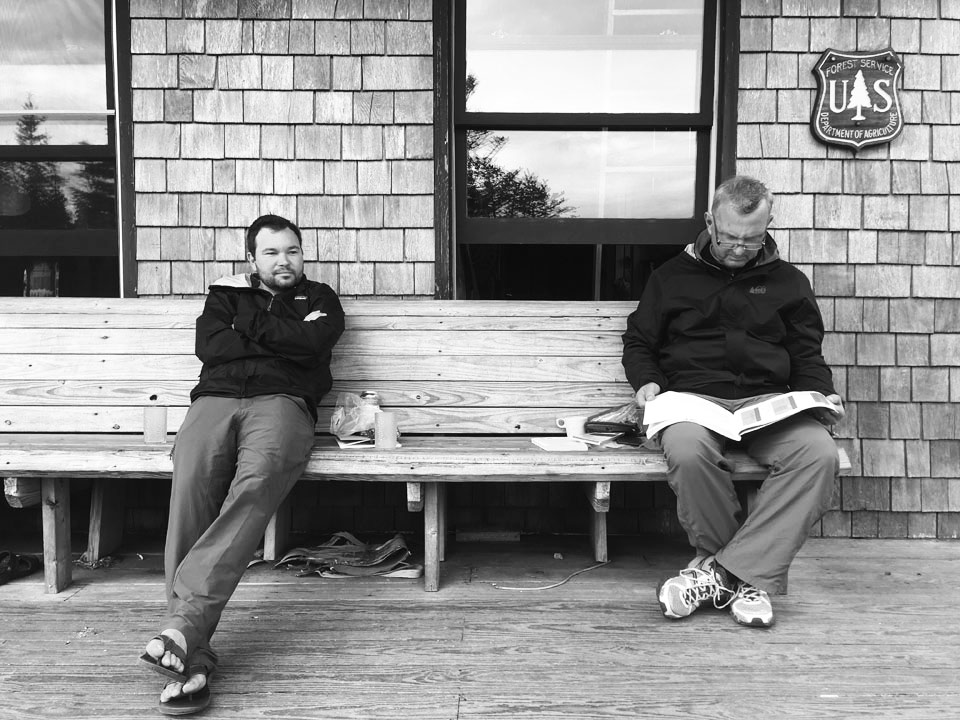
x: 879, y: 235
x: 318, y: 110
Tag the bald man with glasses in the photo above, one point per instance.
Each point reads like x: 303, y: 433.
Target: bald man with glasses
x: 731, y: 321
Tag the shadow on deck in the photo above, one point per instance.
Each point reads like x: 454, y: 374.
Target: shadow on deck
x: 869, y: 630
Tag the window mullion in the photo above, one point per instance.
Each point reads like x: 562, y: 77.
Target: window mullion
x: 518, y: 121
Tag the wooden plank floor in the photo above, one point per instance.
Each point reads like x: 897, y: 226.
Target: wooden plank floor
x: 869, y: 630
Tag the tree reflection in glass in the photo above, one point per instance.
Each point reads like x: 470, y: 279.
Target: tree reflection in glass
x: 45, y: 194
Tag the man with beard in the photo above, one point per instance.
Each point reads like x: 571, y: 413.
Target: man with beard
x: 265, y: 340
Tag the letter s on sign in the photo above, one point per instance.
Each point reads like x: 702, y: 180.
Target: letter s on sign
x: 879, y: 91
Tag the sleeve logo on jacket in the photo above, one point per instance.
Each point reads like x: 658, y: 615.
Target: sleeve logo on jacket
x: 758, y: 290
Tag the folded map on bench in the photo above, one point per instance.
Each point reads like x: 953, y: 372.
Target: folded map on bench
x: 673, y: 407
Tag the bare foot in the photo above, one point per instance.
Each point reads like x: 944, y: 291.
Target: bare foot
x: 173, y: 690
x: 165, y: 658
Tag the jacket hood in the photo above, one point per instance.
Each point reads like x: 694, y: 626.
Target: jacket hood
x: 768, y: 253
x: 242, y: 280
x: 248, y: 281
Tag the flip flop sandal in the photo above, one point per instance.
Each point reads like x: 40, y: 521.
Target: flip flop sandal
x: 154, y: 663
x: 186, y: 704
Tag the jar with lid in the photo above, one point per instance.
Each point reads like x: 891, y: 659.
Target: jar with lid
x: 369, y: 407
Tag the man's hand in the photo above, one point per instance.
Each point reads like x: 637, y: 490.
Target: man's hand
x: 827, y: 418
x: 648, y: 392
x: 314, y: 315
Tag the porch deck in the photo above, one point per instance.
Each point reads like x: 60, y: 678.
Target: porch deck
x: 869, y: 630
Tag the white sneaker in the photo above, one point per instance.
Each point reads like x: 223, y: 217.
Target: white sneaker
x: 681, y: 595
x: 751, y: 606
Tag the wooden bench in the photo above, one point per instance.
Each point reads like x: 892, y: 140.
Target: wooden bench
x: 471, y: 383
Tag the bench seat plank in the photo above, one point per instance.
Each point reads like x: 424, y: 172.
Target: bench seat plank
x: 446, y: 420
x: 373, y: 370
x: 425, y: 458
x: 181, y: 320
x: 413, y: 307
x: 373, y: 343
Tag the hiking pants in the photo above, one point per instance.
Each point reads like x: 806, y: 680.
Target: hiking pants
x: 234, y: 462
x: 804, y: 464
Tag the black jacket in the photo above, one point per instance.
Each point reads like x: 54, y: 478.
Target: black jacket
x: 732, y: 334
x: 254, y: 343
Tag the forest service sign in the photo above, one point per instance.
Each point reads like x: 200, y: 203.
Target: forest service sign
x: 857, y: 102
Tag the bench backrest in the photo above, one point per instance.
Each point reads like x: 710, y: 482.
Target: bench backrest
x: 446, y: 367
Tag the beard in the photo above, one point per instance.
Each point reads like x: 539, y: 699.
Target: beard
x: 285, y: 282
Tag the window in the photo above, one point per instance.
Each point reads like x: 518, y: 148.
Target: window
x: 59, y: 209
x: 582, y: 133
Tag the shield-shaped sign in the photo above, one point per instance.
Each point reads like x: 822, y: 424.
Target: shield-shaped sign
x: 857, y: 101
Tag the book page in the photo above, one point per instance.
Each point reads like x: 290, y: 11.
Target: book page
x: 673, y: 407
x: 754, y: 417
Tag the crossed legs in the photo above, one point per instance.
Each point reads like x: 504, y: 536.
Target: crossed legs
x: 235, y: 460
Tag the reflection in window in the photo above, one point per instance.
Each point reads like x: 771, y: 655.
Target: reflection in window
x: 582, y: 142
x: 557, y: 272
x: 585, y: 56
x: 625, y: 269
x: 58, y: 183
x: 586, y: 174
x: 60, y: 275
x: 57, y: 195
x: 52, y: 61
x: 526, y: 272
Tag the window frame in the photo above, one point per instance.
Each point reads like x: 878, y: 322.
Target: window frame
x: 714, y: 124
x: 603, y: 231
x: 114, y: 242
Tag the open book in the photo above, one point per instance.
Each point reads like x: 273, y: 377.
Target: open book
x: 673, y: 407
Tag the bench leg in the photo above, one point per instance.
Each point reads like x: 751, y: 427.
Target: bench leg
x: 276, y: 538
x: 599, y: 495
x: 431, y: 536
x: 598, y: 533
x: 106, y: 519
x: 442, y: 521
x: 55, y: 512
x: 414, y: 497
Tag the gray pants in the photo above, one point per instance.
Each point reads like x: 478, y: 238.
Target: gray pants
x: 804, y: 464
x: 234, y: 462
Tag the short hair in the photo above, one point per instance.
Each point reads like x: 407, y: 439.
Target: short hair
x: 743, y: 193
x: 272, y: 222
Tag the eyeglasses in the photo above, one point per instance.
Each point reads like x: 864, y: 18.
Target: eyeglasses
x: 729, y: 242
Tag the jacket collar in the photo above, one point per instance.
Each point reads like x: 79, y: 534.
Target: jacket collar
x: 250, y: 281
x: 699, y: 251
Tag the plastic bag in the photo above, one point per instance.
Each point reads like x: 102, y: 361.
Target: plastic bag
x: 352, y: 416
x: 626, y: 419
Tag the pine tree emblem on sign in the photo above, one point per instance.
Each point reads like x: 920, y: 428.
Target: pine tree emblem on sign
x: 857, y: 102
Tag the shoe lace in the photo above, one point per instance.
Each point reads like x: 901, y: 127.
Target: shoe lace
x: 749, y: 593
x: 706, y: 587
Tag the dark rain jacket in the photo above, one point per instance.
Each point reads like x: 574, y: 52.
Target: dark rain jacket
x: 252, y: 342
x: 705, y: 329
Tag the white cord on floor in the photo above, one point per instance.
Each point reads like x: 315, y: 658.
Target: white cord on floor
x: 556, y: 584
